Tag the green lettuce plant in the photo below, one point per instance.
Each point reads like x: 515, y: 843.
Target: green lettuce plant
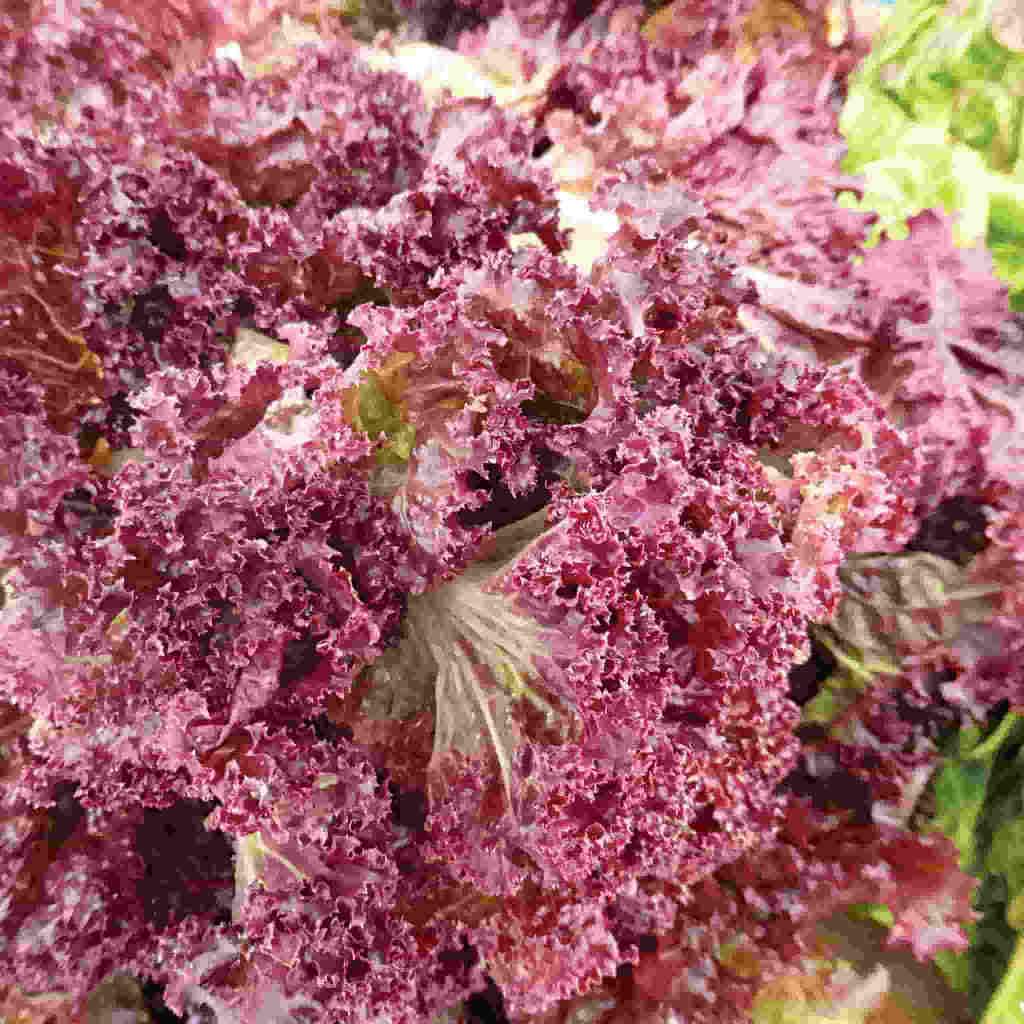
x: 934, y: 117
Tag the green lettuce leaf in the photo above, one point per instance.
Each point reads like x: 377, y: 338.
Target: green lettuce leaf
x: 979, y: 803
x: 1007, y: 1002
x: 935, y: 117
x: 375, y: 407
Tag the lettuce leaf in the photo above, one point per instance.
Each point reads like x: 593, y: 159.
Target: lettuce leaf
x: 934, y: 117
x: 1009, y: 997
x: 979, y: 804
x: 833, y: 994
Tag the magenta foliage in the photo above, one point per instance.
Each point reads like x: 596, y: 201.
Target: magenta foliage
x: 391, y: 608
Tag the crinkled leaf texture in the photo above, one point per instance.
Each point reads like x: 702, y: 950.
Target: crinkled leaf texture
x: 467, y: 656
x: 390, y: 605
x: 926, y: 325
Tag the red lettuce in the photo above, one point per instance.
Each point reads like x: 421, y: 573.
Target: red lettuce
x: 392, y: 609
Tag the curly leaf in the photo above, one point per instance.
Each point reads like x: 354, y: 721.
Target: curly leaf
x: 901, y: 604
x: 375, y: 407
x: 934, y: 118
x: 468, y: 656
